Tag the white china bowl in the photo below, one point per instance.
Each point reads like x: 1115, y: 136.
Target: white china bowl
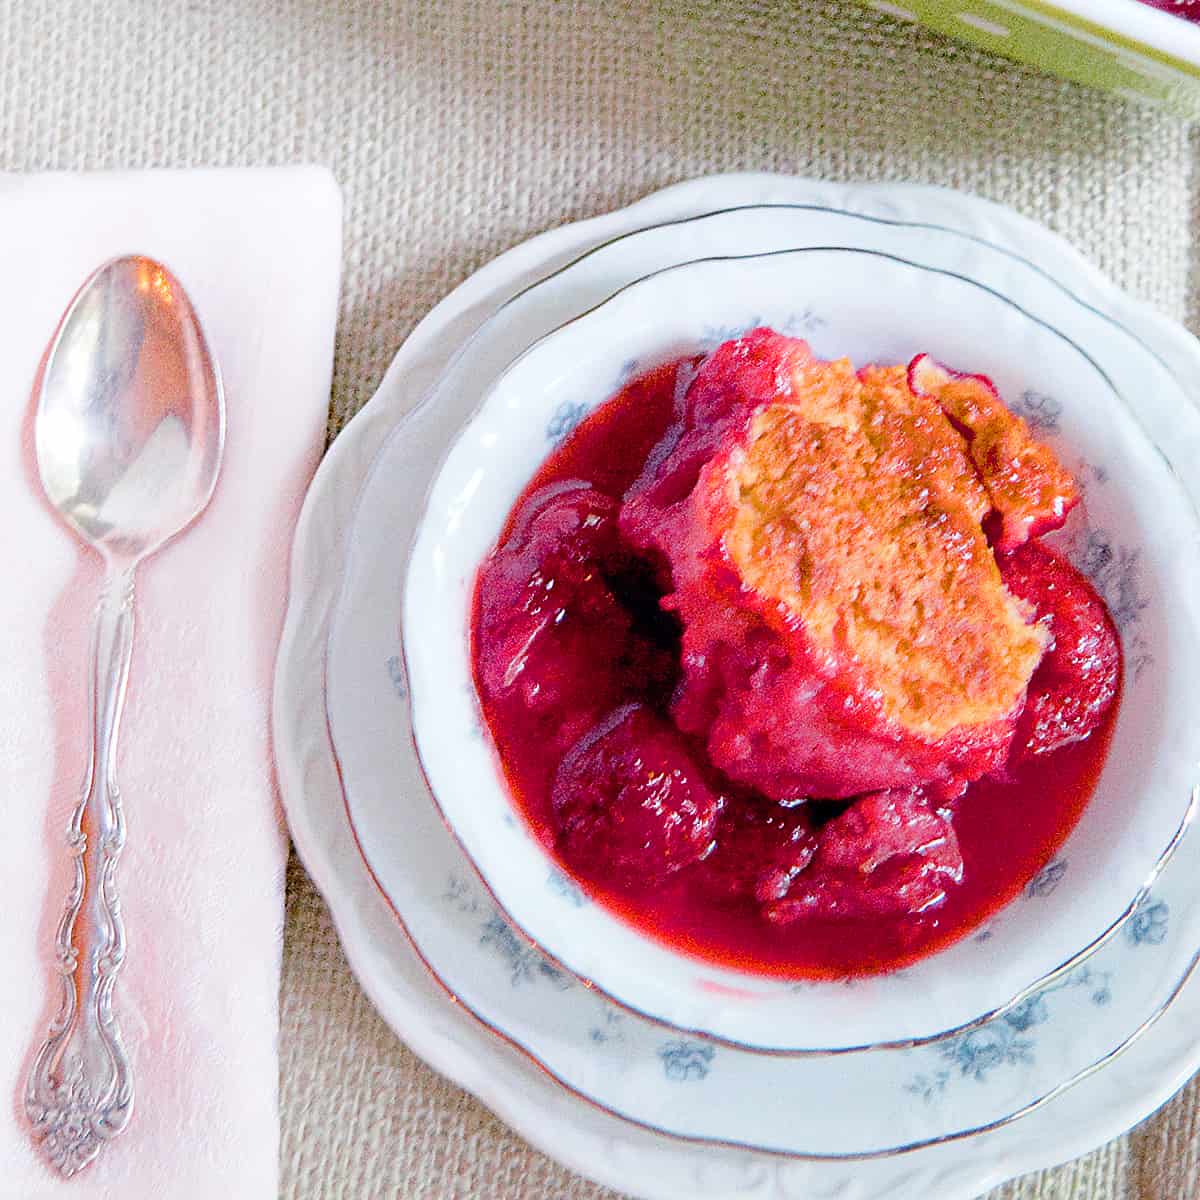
x: 1089, y: 390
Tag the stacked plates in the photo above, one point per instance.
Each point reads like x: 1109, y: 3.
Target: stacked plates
x: 1081, y: 1024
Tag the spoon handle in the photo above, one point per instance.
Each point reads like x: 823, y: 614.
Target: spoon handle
x: 80, y: 1089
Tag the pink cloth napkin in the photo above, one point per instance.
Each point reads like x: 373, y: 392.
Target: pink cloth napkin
x: 202, y: 876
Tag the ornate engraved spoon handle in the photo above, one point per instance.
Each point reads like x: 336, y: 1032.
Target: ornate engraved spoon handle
x: 80, y: 1089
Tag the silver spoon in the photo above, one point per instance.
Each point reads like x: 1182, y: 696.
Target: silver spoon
x: 129, y: 432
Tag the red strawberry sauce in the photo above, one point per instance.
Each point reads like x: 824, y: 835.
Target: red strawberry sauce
x: 575, y: 664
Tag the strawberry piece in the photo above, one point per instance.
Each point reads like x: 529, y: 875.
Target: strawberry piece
x: 713, y: 399
x: 760, y: 850
x: 1077, y: 680
x: 889, y: 854
x: 553, y: 638
x: 629, y: 801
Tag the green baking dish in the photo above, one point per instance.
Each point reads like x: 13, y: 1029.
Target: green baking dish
x: 1126, y: 46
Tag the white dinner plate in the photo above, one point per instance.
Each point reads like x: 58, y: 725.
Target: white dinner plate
x: 639, y: 1162
x: 848, y: 1107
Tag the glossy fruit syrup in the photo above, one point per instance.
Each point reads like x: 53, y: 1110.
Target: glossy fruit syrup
x: 576, y: 664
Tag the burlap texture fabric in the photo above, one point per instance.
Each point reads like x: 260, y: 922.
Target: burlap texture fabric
x: 458, y: 128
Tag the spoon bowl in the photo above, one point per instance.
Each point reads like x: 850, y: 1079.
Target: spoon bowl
x: 130, y: 423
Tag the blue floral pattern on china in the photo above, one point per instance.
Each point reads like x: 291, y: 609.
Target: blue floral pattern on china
x: 686, y: 1062
x: 560, y: 885
x: 1006, y: 1042
x: 395, y: 670
x: 1045, y: 882
x: 563, y: 421
x: 797, y: 324
x: 526, y: 964
x: 1149, y: 923
x: 609, y: 1028
x: 1116, y: 572
x: 1010, y: 1040
x: 1041, y: 412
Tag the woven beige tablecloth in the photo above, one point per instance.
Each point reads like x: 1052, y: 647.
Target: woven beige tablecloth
x: 459, y: 127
